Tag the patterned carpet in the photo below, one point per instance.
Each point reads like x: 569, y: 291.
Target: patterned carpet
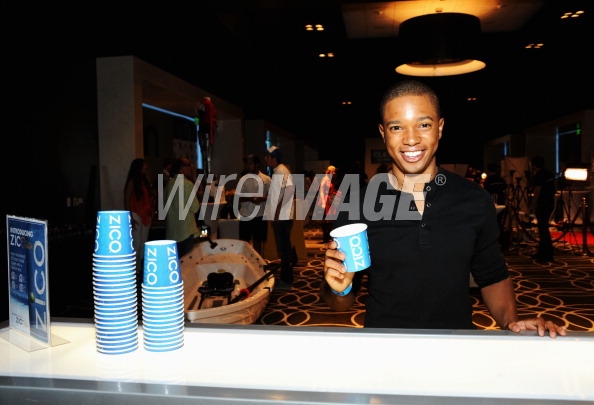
x: 563, y: 291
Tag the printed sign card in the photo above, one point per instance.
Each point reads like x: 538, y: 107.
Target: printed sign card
x: 28, y: 284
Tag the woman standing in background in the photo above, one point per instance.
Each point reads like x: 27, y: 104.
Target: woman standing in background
x: 328, y: 192
x: 138, y: 200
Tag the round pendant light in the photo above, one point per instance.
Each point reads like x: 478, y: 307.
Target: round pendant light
x: 441, y: 44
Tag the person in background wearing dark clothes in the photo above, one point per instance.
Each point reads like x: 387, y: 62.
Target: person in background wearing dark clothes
x: 497, y: 187
x: 495, y: 184
x: 207, y: 114
x: 542, y: 205
x: 280, y: 210
x: 252, y: 227
x: 423, y: 250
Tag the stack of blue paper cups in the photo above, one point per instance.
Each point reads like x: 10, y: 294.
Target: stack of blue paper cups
x: 114, y: 284
x: 162, y: 297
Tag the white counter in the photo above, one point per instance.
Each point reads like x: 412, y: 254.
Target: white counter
x: 334, y: 365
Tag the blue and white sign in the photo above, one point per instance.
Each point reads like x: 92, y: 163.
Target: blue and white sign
x: 28, y: 277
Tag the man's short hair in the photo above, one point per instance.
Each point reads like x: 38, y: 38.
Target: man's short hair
x: 409, y: 87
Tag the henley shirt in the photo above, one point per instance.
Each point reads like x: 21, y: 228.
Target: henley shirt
x: 420, y: 268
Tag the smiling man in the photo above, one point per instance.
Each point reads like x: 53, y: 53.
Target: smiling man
x: 423, y: 252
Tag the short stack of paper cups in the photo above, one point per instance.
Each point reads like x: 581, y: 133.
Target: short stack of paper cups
x: 162, y: 297
x: 114, y: 284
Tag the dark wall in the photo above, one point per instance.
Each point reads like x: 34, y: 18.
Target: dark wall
x: 49, y: 148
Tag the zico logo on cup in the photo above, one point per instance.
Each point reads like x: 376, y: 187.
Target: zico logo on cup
x: 161, y: 264
x: 114, y: 233
x: 352, y: 241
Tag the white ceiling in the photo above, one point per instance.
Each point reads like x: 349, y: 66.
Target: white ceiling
x: 382, y: 19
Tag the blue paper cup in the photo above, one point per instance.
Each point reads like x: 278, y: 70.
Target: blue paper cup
x: 163, y: 348
x: 163, y: 323
x: 162, y: 303
x: 164, y: 340
x: 161, y: 264
x: 107, y: 307
x: 114, y: 299
x: 114, y: 264
x: 169, y: 313
x: 105, y: 314
x: 114, y: 278
x: 107, y: 286
x: 119, y: 349
x: 352, y: 241
x: 115, y: 325
x: 105, y: 293
x: 163, y: 327
x: 119, y: 333
x: 113, y: 233
x: 170, y: 290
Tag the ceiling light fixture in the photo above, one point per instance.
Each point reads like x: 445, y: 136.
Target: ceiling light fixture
x: 572, y: 14
x: 534, y: 46
x: 442, y: 44
x: 311, y: 27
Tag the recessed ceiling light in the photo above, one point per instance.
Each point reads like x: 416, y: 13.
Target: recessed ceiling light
x: 572, y: 14
x: 311, y: 27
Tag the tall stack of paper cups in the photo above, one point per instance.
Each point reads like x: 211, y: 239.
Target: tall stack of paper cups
x: 114, y: 284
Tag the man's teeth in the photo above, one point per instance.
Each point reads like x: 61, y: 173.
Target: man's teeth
x: 413, y: 154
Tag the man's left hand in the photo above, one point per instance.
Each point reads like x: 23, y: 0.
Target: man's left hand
x: 538, y: 324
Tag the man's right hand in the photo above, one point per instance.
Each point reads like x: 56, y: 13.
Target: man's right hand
x: 335, y: 273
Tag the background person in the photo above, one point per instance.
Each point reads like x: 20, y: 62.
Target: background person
x: 166, y: 170
x: 181, y: 226
x: 327, y: 193
x: 253, y: 228
x: 419, y: 274
x: 138, y: 199
x: 279, y: 210
x: 495, y: 184
x: 542, y: 205
x: 207, y: 114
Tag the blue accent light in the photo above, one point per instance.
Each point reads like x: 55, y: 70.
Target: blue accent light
x: 194, y: 120
x: 152, y: 107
